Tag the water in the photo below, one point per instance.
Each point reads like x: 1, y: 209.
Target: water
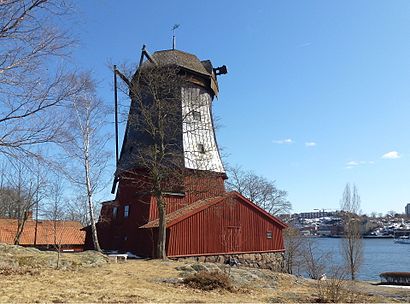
x: 379, y: 255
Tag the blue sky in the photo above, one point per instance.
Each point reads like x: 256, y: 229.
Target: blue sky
x: 317, y: 91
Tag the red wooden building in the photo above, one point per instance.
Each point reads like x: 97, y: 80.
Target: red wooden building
x: 44, y: 234
x: 202, y: 218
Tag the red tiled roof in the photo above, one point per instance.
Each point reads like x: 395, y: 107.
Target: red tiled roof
x: 63, y: 232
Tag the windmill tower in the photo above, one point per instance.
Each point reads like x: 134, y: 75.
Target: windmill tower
x: 170, y: 136
x: 172, y: 94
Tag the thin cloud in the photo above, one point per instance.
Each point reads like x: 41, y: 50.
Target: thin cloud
x: 391, y: 155
x: 310, y: 144
x: 354, y: 163
x: 303, y: 45
x: 287, y: 141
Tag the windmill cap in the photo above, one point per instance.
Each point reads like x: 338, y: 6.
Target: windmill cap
x: 183, y: 60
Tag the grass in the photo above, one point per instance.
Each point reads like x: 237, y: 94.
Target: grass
x: 145, y: 281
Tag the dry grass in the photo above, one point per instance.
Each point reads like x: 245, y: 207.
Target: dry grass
x: 141, y: 281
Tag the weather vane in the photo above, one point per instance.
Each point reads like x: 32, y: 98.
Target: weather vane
x: 173, y: 35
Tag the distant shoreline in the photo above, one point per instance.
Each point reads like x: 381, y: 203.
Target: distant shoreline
x: 340, y: 236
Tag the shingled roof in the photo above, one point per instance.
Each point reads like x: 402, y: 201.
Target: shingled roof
x: 181, y: 59
x: 66, y: 232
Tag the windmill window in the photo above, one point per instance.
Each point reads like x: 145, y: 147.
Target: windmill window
x: 268, y: 234
x: 114, y: 212
x: 126, y: 211
x: 201, y: 148
x: 196, y: 115
x: 131, y: 148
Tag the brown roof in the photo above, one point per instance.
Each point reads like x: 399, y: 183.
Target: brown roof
x: 182, y: 59
x: 66, y: 232
x: 183, y: 213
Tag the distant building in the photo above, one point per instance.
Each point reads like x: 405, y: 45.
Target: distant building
x: 316, y: 214
x: 407, y: 210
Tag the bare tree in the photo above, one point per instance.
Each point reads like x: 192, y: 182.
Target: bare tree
x: 77, y: 210
x: 21, y: 189
x: 162, y: 110
x: 55, y: 212
x: 85, y: 147
x: 156, y: 96
x: 259, y: 190
x: 294, y: 246
x: 314, y: 259
x: 352, y: 245
x: 32, y: 83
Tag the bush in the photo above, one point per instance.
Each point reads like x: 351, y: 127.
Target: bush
x: 209, y: 281
x: 333, y: 290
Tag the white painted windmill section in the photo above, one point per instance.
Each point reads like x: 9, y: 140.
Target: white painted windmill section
x: 200, y: 148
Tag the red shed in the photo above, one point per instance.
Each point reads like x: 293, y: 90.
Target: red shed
x: 226, y: 224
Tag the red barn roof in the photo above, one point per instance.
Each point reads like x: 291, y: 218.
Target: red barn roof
x: 183, y: 213
x: 64, y: 232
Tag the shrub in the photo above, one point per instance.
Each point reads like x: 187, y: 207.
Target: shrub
x: 209, y: 281
x: 332, y: 290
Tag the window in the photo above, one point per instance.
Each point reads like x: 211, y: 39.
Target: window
x: 196, y: 115
x: 268, y: 234
x: 114, y: 212
x: 201, y: 148
x: 126, y: 211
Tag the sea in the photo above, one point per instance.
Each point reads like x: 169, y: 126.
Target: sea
x: 379, y: 255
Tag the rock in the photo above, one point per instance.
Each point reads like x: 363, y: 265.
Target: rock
x: 35, y: 259
x: 220, y: 259
x: 201, y: 259
x: 199, y: 267
x: 186, y: 268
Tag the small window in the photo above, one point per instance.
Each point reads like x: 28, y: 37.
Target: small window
x: 201, y: 148
x: 131, y: 148
x: 114, y: 212
x: 268, y: 234
x: 126, y: 211
x: 125, y: 238
x: 196, y: 115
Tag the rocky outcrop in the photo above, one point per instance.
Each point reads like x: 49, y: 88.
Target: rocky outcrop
x: 15, y: 257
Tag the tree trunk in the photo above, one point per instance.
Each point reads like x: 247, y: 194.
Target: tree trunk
x: 162, y: 229
x: 20, y: 227
x: 90, y: 200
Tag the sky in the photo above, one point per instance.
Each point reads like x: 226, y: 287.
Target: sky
x: 317, y: 93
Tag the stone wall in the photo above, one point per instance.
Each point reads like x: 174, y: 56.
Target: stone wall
x: 268, y: 260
